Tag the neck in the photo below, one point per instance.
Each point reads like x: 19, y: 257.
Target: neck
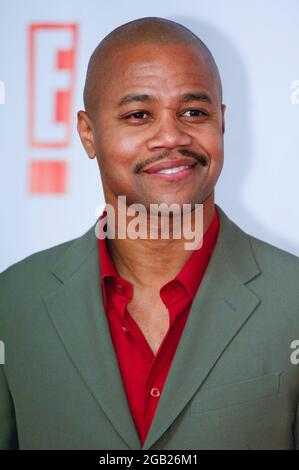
x: 143, y: 261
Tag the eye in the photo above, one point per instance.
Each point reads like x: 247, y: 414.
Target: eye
x: 139, y: 115
x: 195, y: 113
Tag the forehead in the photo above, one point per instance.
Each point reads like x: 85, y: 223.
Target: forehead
x: 160, y: 69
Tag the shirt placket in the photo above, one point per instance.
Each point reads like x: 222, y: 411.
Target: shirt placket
x: 171, y: 295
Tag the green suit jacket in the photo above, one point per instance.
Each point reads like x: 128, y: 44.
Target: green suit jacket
x: 231, y: 384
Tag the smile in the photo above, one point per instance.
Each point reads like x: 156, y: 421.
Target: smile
x: 172, y: 174
x: 172, y: 170
x: 169, y: 171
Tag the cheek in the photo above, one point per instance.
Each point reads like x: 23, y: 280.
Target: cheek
x: 211, y: 140
x: 118, y: 154
x: 120, y: 148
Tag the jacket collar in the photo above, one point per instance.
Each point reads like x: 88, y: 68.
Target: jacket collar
x: 232, y: 241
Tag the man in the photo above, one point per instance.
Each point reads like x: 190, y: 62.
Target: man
x: 138, y: 343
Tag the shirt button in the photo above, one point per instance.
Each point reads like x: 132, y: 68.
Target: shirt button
x: 124, y: 328
x: 119, y: 288
x: 155, y: 392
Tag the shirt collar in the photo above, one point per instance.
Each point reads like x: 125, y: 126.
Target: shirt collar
x: 189, y: 276
x: 194, y: 268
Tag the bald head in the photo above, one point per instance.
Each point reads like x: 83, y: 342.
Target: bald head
x: 149, y: 30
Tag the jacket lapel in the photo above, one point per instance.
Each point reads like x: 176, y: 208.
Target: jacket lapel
x: 77, y: 312
x: 221, y: 307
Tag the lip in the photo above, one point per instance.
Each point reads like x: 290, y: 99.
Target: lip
x: 182, y: 174
x: 168, y: 164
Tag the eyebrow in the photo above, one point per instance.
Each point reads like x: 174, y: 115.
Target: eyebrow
x: 195, y: 97
x: 132, y: 98
x: 186, y: 97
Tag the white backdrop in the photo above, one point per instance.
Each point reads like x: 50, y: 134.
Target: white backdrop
x: 256, y: 47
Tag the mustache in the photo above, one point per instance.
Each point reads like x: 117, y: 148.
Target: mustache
x: 186, y: 153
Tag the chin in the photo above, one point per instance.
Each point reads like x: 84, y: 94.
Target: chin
x: 176, y: 199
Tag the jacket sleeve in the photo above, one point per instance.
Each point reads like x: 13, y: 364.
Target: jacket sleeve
x: 8, y: 428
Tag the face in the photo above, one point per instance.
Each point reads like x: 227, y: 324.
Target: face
x: 158, y: 130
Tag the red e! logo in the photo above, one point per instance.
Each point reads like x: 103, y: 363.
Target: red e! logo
x: 52, y: 54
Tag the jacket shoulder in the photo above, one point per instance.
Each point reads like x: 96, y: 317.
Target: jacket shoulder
x: 271, y: 256
x: 32, y: 272
x: 280, y: 273
x: 245, y: 253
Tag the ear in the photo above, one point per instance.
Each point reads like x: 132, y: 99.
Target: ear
x: 85, y: 131
x: 223, y: 108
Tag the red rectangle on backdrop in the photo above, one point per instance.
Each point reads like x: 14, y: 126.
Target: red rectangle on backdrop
x: 62, y: 105
x: 47, y: 177
x: 65, y: 59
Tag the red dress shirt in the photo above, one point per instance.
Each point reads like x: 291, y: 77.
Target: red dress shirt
x: 143, y: 372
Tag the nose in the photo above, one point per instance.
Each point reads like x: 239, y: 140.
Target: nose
x: 169, y: 134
